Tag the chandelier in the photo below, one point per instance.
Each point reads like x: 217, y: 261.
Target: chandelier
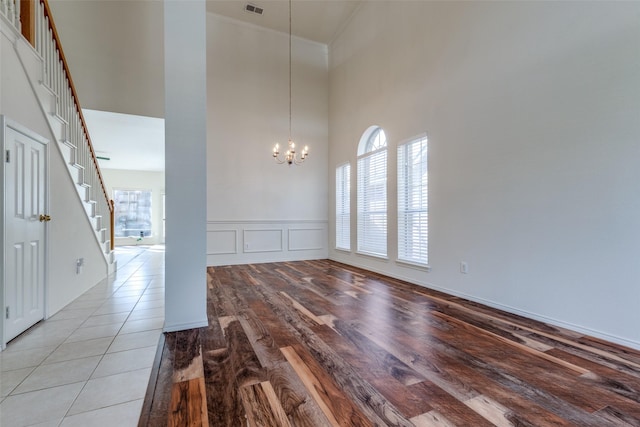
x: 290, y: 156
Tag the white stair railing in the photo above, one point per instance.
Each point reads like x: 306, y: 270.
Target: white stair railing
x: 11, y: 10
x: 57, y: 79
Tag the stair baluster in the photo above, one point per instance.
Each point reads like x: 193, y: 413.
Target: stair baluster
x: 58, y: 80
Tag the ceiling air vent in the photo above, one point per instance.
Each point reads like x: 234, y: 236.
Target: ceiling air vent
x: 252, y: 8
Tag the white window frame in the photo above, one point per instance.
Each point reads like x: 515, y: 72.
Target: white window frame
x: 117, y: 213
x: 372, y: 204
x: 413, y: 206
x: 343, y: 207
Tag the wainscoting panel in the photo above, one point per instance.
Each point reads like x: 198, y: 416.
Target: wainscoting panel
x: 247, y: 242
x: 267, y: 240
x: 222, y: 242
x: 306, y: 239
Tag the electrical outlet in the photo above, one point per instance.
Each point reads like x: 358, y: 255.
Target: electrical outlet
x: 464, y: 267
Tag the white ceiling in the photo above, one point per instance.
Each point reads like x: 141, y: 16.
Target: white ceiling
x: 130, y: 142
x: 317, y: 20
x: 137, y: 143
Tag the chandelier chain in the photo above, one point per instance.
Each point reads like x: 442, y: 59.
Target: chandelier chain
x: 290, y: 70
x: 291, y: 156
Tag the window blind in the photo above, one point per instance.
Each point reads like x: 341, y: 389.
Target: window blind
x: 372, y: 203
x: 413, y: 233
x: 343, y: 207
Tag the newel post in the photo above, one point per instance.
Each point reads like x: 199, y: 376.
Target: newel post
x: 28, y: 20
x: 112, y: 223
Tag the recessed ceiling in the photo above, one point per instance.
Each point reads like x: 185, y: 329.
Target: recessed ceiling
x: 316, y: 20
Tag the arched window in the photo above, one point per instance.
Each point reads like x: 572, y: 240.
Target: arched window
x: 372, y: 192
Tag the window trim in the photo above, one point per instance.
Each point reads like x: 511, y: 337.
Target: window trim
x: 411, y: 263
x: 347, y: 173
x: 364, y: 155
x: 130, y: 189
x: 366, y: 137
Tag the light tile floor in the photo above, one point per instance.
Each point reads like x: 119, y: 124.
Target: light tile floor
x: 89, y: 364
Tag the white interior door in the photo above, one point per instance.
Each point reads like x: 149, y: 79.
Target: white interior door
x: 25, y: 197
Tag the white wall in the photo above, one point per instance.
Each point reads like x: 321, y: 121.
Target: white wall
x: 139, y: 180
x: 115, y: 50
x: 532, y: 113
x: 258, y: 210
x: 70, y: 233
x: 186, y: 164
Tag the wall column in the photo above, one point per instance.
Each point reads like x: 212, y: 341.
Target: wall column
x: 185, y: 164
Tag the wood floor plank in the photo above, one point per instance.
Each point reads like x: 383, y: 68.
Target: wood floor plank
x: 302, y: 309
x: 262, y: 406
x: 602, y: 376
x: 595, y: 355
x: 225, y: 407
x: 158, y: 397
x: 472, y: 378
x: 510, y: 343
x: 490, y: 409
x: 553, y: 336
x: 614, y: 417
x: 183, y: 411
x: 282, y: 336
x: 325, y: 392
x: 300, y: 407
x: 296, y: 402
x: 524, y: 408
x: 368, y: 399
x: 212, y: 337
x: 381, y: 369
x: 431, y: 419
x: 450, y: 409
x: 621, y: 352
x: 545, y: 376
x: 318, y: 343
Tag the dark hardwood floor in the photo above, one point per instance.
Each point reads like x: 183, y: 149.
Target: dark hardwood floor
x: 318, y: 343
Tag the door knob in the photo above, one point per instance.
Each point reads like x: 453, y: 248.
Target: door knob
x: 45, y: 218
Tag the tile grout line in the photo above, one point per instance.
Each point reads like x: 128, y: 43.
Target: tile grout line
x: 111, y: 343
x: 109, y: 295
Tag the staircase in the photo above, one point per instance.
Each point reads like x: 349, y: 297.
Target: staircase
x: 54, y: 89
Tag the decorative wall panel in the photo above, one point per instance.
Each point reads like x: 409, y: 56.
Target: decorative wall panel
x: 246, y: 242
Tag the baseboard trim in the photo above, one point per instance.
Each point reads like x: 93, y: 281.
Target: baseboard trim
x: 184, y: 326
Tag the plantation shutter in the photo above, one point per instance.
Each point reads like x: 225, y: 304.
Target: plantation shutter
x: 343, y: 208
x: 413, y: 233
x: 372, y: 203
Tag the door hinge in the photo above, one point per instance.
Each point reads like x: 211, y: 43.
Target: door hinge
x: 7, y: 313
x: 8, y: 157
